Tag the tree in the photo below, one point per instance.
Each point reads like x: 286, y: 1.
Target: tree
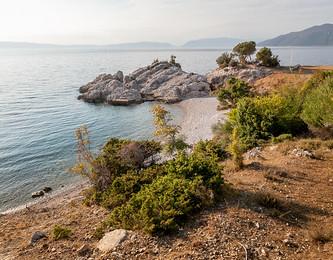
x: 244, y: 50
x: 225, y: 59
x: 266, y: 58
x: 166, y: 130
x: 234, y: 90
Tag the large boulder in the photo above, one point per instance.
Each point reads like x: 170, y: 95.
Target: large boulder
x: 161, y: 81
x: 219, y: 76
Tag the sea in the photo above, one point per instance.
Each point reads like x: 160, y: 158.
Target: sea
x: 39, y: 110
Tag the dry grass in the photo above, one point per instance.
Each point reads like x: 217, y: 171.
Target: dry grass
x: 267, y: 200
x: 312, y: 145
x: 321, y: 234
x: 279, y: 80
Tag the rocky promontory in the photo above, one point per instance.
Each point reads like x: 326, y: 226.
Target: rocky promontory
x: 161, y: 81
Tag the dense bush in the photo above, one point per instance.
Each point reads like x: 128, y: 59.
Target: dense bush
x: 117, y: 157
x: 244, y: 51
x: 266, y: 58
x: 211, y: 148
x: 318, y: 105
x: 196, y: 165
x: 233, y: 90
x: 264, y: 117
x: 189, y: 182
x: 159, y: 207
x: 125, y: 186
x: 225, y: 59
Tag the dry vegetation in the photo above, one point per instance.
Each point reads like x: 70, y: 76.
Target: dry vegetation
x: 288, y: 215
x: 277, y: 204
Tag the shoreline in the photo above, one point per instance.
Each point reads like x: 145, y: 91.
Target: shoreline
x: 198, y: 116
x: 65, y: 194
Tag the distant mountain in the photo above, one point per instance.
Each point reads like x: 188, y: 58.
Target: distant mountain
x: 25, y: 45
x: 141, y: 45
x: 121, y: 46
x: 212, y: 43
x: 321, y: 35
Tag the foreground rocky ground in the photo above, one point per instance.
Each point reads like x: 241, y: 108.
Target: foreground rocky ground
x: 239, y: 227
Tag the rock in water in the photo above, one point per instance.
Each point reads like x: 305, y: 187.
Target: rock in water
x: 111, y: 240
x: 47, y: 189
x: 37, y: 236
x: 161, y: 81
x: 37, y: 194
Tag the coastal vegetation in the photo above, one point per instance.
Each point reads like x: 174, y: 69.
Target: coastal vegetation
x: 266, y: 58
x: 170, y: 195
x: 232, y: 91
x: 244, y: 51
x: 157, y: 186
x: 242, y: 54
x: 60, y: 232
x: 143, y: 193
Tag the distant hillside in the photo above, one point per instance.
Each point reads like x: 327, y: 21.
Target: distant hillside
x: 321, y: 35
x: 134, y: 45
x: 25, y: 45
x: 141, y: 45
x: 212, y: 43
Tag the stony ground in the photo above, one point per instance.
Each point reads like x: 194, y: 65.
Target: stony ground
x: 239, y: 227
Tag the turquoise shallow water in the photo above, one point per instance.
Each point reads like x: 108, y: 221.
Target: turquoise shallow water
x: 39, y: 110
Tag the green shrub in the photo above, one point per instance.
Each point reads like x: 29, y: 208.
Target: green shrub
x: 125, y: 186
x: 236, y: 150
x: 233, y: 91
x: 244, y: 50
x: 197, y: 165
x: 190, y: 183
x: 281, y: 138
x: 211, y: 148
x: 159, y: 207
x: 318, y: 104
x: 116, y: 158
x: 167, y: 131
x: 266, y: 58
x: 262, y: 118
x: 225, y: 59
x: 60, y: 232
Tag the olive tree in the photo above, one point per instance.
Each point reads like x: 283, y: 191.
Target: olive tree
x: 244, y: 50
x: 266, y: 58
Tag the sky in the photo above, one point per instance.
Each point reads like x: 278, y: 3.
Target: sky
x: 174, y: 21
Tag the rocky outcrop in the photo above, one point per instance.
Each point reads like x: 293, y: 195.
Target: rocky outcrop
x: 160, y: 81
x: 219, y: 76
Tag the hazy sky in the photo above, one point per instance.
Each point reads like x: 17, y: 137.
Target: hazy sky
x: 175, y: 21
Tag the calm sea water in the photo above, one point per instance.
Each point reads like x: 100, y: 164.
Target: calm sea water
x: 39, y: 110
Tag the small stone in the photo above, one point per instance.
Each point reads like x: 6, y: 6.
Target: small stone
x: 37, y: 236
x: 37, y: 194
x: 53, y: 249
x: 84, y: 250
x: 47, y: 189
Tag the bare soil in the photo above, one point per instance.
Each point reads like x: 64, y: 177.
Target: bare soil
x: 239, y: 227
